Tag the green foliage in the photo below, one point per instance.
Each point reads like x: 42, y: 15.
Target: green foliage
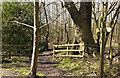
x: 18, y: 62
x: 87, y: 66
x: 40, y: 74
x: 24, y: 71
x: 12, y: 32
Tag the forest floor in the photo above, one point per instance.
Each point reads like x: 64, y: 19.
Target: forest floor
x: 20, y: 66
x: 5, y: 72
x: 46, y: 66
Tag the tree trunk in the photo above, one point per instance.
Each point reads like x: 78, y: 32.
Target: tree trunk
x: 82, y: 18
x: 66, y: 34
x: 47, y: 35
x: 35, y: 41
x: 110, y: 51
x: 68, y: 28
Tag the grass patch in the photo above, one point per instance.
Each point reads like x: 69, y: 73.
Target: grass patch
x: 14, y: 64
x: 20, y: 59
x: 40, y: 74
x: 24, y: 71
x: 20, y: 65
x: 87, y: 66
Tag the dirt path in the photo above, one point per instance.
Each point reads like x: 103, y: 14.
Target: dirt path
x: 5, y: 72
x: 47, y: 66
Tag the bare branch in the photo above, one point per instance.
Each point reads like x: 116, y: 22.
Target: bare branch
x: 112, y: 24
x: 22, y: 24
x: 48, y: 23
x: 63, y: 22
x: 40, y: 26
x: 116, y: 13
x: 105, y: 14
x: 112, y: 4
x: 93, y: 9
x: 61, y: 3
x: 111, y: 8
x: 51, y: 21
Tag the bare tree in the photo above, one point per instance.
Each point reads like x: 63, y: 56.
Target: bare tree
x: 47, y: 32
x: 33, y: 69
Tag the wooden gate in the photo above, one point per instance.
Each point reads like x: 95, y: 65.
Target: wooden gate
x: 67, y: 48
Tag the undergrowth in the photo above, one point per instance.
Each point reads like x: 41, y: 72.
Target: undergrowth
x: 19, y: 65
x: 24, y: 71
x: 88, y: 66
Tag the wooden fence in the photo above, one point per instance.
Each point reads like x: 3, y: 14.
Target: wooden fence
x: 67, y: 48
x: 16, y: 50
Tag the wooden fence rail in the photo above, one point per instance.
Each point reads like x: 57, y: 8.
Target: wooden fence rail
x: 16, y: 50
x: 67, y: 49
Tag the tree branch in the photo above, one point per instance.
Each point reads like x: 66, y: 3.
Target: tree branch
x: 111, y: 8
x: 40, y: 26
x: 48, y: 23
x: 93, y: 9
x: 112, y: 21
x: 116, y: 13
x: 74, y: 13
x: 22, y: 24
x: 51, y: 21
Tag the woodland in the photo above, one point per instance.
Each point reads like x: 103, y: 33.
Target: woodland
x: 60, y: 38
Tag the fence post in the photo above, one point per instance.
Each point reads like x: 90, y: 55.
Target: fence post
x: 53, y: 51
x: 9, y: 54
x: 111, y: 56
x: 67, y: 50
x: 83, y: 49
x: 30, y: 53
